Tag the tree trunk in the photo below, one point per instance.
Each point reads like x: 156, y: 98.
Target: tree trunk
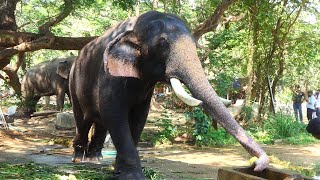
x: 7, y: 17
x: 7, y: 22
x: 13, y: 80
x: 253, y: 45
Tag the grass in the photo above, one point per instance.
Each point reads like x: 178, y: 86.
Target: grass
x: 281, y: 126
x: 31, y: 171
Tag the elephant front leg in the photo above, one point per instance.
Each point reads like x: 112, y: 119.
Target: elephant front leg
x: 127, y: 160
x: 60, y: 101
x: 138, y: 118
x: 29, y: 106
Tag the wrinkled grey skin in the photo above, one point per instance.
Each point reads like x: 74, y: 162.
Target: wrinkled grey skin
x: 112, y: 81
x: 46, y: 79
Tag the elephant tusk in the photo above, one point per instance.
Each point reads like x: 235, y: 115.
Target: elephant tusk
x: 182, y: 94
x: 226, y: 102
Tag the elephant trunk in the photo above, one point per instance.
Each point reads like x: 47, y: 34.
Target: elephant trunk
x: 187, y: 67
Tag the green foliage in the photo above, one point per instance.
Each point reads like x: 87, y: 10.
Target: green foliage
x: 222, y: 83
x: 204, y: 133
x: 31, y: 171
x: 260, y: 135
x: 167, y: 131
x: 282, y: 126
x: 124, y: 4
x: 151, y: 174
x: 317, y: 168
x: 40, y: 171
x: 67, y: 106
x: 248, y: 111
x: 227, y: 58
x: 301, y: 138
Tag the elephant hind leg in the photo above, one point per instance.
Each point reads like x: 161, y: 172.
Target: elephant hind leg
x: 83, y: 126
x: 97, y: 142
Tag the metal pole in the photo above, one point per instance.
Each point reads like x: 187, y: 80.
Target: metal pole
x: 271, y: 95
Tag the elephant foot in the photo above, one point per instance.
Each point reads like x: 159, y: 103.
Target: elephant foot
x: 83, y: 155
x: 128, y: 168
x: 94, y: 157
x: 78, y: 157
x: 79, y: 154
x: 129, y: 174
x: 94, y: 152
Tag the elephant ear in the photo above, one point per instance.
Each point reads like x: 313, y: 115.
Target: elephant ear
x: 63, y: 69
x: 122, y: 55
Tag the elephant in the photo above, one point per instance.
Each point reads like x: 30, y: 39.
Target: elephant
x: 313, y: 127
x: 46, y: 79
x: 112, y: 81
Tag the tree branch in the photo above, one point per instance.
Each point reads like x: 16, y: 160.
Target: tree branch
x: 40, y: 43
x: 45, y: 28
x: 2, y: 77
x: 17, y: 42
x: 19, y: 62
x: 212, y: 22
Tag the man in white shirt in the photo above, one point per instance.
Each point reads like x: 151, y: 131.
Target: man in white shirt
x: 311, y: 103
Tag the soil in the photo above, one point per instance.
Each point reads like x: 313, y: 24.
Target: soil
x: 39, y: 141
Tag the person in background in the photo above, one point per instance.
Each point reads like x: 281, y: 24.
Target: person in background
x: 314, y: 127
x: 318, y: 103
x: 311, y: 102
x: 297, y: 98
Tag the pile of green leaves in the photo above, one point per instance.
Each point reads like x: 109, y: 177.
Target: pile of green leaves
x: 40, y: 171
x: 151, y: 174
x: 29, y: 171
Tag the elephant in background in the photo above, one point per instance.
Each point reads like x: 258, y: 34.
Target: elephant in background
x: 112, y: 81
x: 46, y: 79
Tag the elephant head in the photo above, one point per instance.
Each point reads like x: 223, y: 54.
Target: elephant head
x: 159, y: 47
x: 63, y: 68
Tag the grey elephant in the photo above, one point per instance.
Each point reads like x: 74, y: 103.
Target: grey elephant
x: 46, y: 79
x: 112, y: 81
